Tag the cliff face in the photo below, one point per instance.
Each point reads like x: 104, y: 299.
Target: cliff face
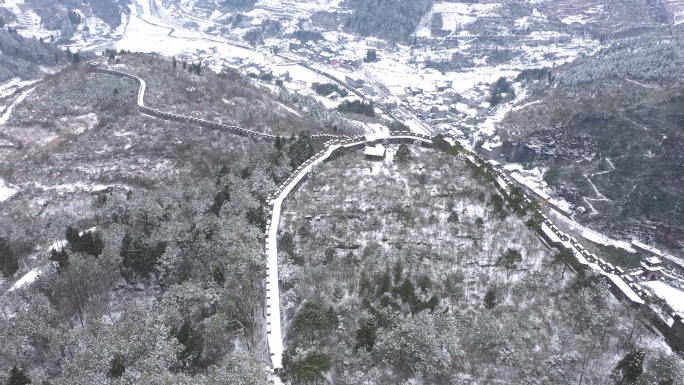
x: 518, y: 152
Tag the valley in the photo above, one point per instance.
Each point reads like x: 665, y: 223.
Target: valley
x: 293, y: 192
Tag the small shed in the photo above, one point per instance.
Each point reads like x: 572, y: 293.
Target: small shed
x: 376, y: 152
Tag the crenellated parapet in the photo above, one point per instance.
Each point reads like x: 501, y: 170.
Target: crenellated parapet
x: 95, y: 67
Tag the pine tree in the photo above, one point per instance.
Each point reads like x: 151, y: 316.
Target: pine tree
x: 219, y: 199
x: 72, y: 236
x: 257, y: 217
x: 311, y: 321
x: 311, y: 368
x: 18, y: 377
x: 192, y: 342
x: 437, y: 23
x: 117, y: 366
x: 490, y: 298
x: 563, y: 257
x: 509, y: 260
x: 407, y: 292
x: 89, y: 242
x: 630, y: 367
x: 397, y: 272
x: 384, y: 284
x: 403, y: 154
x: 300, y: 149
x: 366, y: 335
x: 453, y: 218
x: 9, y: 263
x: 61, y: 257
x: 217, y: 276
x: 139, y: 258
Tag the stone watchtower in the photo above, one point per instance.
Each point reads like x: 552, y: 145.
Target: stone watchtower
x: 93, y: 66
x: 652, y: 267
x: 191, y: 94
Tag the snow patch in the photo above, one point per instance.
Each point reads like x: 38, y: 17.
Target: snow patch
x: 28, y: 278
x: 673, y: 296
x: 6, y: 115
x: 7, y: 190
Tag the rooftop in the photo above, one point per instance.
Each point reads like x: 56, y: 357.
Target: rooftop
x: 623, y: 287
x: 377, y: 150
x: 653, y: 260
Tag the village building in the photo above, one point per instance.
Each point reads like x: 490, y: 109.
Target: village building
x: 368, y: 89
x: 490, y: 150
x: 354, y: 82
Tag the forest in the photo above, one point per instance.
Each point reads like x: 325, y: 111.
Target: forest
x: 390, y: 19
x: 167, y: 289
x: 21, y: 56
x: 147, y: 241
x: 391, y: 276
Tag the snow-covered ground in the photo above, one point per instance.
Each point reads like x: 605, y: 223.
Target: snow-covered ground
x: 11, y: 86
x: 673, y: 296
x: 7, y: 191
x: 5, y: 116
x: 26, y: 279
x: 455, y: 15
x: 145, y: 32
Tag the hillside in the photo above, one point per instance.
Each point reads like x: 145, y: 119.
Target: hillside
x: 172, y: 257
x: 608, y: 130
x: 297, y: 192
x: 389, y: 275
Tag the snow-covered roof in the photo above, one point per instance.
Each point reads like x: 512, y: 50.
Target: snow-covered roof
x: 650, y: 268
x: 377, y: 150
x: 549, y: 233
x: 541, y: 194
x: 623, y: 287
x: 491, y: 146
x: 653, y: 260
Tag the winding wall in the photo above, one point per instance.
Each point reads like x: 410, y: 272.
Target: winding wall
x: 94, y: 67
x: 632, y: 293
